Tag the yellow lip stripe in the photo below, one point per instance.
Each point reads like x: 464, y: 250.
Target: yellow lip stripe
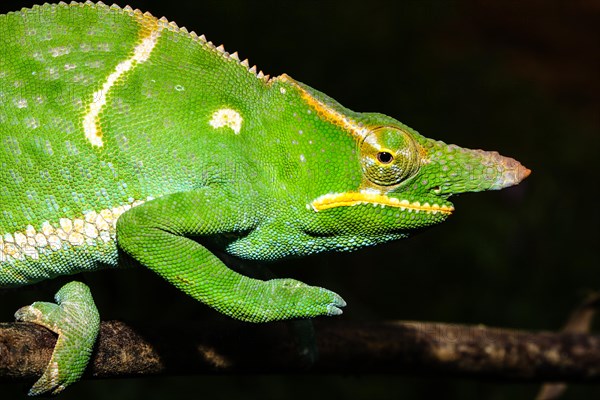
x: 333, y: 200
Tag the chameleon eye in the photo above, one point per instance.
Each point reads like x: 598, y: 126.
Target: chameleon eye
x: 389, y: 156
x: 384, y: 157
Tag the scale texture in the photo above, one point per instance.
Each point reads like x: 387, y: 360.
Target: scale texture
x: 125, y: 137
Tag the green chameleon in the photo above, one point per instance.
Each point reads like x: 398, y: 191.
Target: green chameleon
x: 127, y: 140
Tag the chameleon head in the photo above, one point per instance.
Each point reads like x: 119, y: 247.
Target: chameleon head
x: 407, y: 180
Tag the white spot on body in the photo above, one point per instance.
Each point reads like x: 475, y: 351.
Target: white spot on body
x: 141, y: 53
x: 54, y: 372
x: 30, y: 231
x: 54, y: 242
x: 66, y: 225
x: 52, y: 73
x: 90, y: 231
x: 94, y: 227
x: 59, y: 51
x: 21, y: 103
x: 32, y: 123
x: 76, y: 239
x: 226, y: 117
x: 374, y: 191
x: 41, y: 240
x: 20, y: 239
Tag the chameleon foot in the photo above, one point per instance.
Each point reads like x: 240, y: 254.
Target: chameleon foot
x: 299, y: 300
x: 75, y: 319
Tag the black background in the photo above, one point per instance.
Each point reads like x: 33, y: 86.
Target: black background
x: 520, y: 77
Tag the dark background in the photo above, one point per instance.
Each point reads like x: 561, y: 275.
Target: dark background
x: 520, y: 77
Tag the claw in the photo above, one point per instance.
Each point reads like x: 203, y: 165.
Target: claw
x: 340, y: 302
x: 333, y: 311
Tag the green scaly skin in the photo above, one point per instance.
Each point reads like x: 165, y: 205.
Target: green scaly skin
x: 122, y: 133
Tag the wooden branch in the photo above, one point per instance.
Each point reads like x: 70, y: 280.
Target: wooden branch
x: 580, y: 321
x: 345, y: 347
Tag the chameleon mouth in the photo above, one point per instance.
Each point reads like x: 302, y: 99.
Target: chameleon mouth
x: 333, y: 200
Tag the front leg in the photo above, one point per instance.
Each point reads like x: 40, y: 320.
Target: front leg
x: 159, y: 233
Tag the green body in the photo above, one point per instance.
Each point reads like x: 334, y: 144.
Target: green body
x: 126, y: 135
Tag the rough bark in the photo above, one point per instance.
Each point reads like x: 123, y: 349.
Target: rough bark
x: 344, y: 347
x: 580, y: 321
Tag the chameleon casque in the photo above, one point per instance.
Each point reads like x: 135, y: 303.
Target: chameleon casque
x: 129, y: 140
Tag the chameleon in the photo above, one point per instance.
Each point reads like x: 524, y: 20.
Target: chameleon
x: 130, y: 141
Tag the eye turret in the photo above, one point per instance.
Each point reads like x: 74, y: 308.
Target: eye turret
x: 389, y: 156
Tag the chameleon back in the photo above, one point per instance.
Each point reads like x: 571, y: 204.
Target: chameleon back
x: 101, y: 109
